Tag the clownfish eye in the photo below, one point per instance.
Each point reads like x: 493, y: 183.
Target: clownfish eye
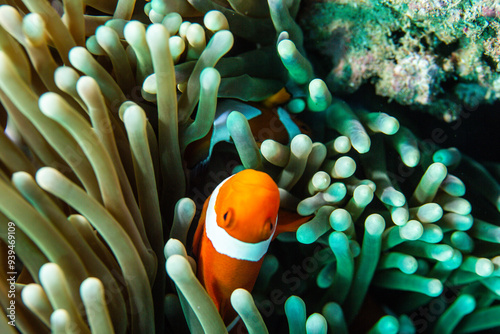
x: 270, y: 224
x: 228, y: 217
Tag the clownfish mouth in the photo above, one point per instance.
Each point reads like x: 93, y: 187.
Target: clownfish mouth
x: 228, y: 245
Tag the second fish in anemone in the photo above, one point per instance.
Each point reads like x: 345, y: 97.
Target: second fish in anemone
x: 267, y: 120
x: 238, y: 222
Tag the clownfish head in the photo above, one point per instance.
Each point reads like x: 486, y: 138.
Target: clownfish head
x: 247, y: 206
x: 242, y: 215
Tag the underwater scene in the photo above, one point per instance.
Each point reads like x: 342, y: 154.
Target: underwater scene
x: 249, y: 166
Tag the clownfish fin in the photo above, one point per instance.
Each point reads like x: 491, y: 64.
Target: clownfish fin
x: 278, y: 98
x: 289, y: 221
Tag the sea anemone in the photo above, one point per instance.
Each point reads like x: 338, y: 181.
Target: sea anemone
x: 106, y: 122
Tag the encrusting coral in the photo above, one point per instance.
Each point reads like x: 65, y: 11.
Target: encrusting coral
x: 110, y: 127
x: 436, y: 56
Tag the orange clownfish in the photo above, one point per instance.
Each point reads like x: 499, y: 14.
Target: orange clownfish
x: 238, y: 222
